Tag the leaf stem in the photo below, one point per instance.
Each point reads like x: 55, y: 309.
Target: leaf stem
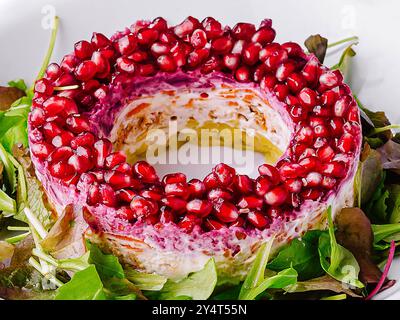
x: 18, y: 238
x: 333, y: 44
x: 382, y: 129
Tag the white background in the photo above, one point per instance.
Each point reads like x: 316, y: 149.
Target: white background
x: 375, y: 72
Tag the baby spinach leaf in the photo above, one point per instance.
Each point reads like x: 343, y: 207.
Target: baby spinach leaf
x: 198, y: 285
x: 19, y: 84
x: 84, y: 285
x: 107, y: 265
x: 336, y: 260
x: 145, y: 281
x: 302, y: 255
x: 385, y: 232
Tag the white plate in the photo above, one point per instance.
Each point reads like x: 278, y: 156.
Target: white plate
x: 24, y: 37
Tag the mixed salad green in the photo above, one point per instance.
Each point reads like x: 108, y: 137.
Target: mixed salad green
x: 342, y: 262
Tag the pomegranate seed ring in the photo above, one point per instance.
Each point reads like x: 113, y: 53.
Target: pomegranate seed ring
x: 143, y: 76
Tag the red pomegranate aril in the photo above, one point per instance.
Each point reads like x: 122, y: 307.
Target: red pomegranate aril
x: 166, y: 63
x: 69, y: 62
x: 264, y: 35
x: 353, y: 114
x: 126, y: 65
x: 77, y: 123
x: 146, y: 70
x: 94, y: 195
x: 147, y: 36
x: 271, y: 172
x: 269, y: 50
x: 259, y: 72
x: 222, y: 45
x: 336, y: 126
x: 63, y: 139
x: 124, y: 168
x: 320, y: 142
x: 151, y: 194
x: 63, y: 153
x: 277, y: 196
x: 201, y: 208
x: 85, y: 139
x: 99, y: 40
x: 102, y: 64
x: 86, y: 70
x: 243, y: 31
x: 329, y: 98
x: 159, y: 48
x: 321, y: 131
x: 188, y: 222
x: 145, y: 171
x: 102, y: 148
x: 281, y: 91
x: 244, y: 184
x: 212, y: 224
x: 83, y: 49
x: 250, y: 202
x: 310, y: 163
x: 90, y: 86
x: 341, y: 106
x: 311, y: 194
x: 197, y: 57
x: 275, y: 59
x: 215, y: 194
x: 125, y: 213
x: 292, y: 100
x: 211, y: 181
x: 51, y: 129
x: 325, y: 153
x: 274, y: 212
x: 212, y: 64
x: 305, y: 135
x: 308, y: 97
x: 295, y: 82
x: 294, y: 185
x: 231, y: 61
x: 257, y: 219
x: 334, y: 169
x: 298, y: 113
x: 346, y: 143
x: 126, y: 195
x: 177, y: 204
x: 41, y: 150
x: 292, y: 48
x: 61, y: 170
x: 242, y: 74
x: 166, y: 215
x: 262, y: 186
x: 177, y: 177
x: 81, y: 164
x: 226, y: 211
x: 224, y: 174
x: 118, y: 180
x: 56, y: 105
x: 139, y: 56
x: 250, y: 54
x: 177, y: 189
x: 198, y: 38
x: 330, y: 79
x: 197, y: 188
x: 126, y: 45
x: 53, y: 71
x: 313, y: 179
x: 285, y: 70
x: 114, y: 159
x: 310, y: 71
x: 291, y: 170
x: 142, y: 207
x: 44, y: 86
x: 212, y: 28
x: 186, y: 27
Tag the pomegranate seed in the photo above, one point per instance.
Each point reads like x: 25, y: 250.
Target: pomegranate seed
x: 159, y: 48
x: 222, y: 45
x: 321, y: 131
x: 305, y: 135
x: 125, y: 213
x: 211, y: 181
x: 147, y: 36
x: 174, y: 178
x: 250, y: 202
x: 226, y: 211
x: 307, y: 98
x: 291, y: 170
x: 328, y: 182
x: 250, y: 54
x: 295, y: 82
x: 102, y: 148
x: 212, y: 64
x: 41, y: 150
x: 53, y: 71
x: 86, y: 70
x: 237, y: 224
x: 212, y: 28
x: 311, y: 194
x: 341, y: 106
x: 37, y: 117
x: 114, y: 159
x: 310, y: 71
x: 325, y: 153
x: 281, y: 91
x: 81, y: 164
x: 243, y: 184
x: 231, y: 61
x: 77, y: 123
x: 102, y: 65
x: 274, y: 59
x: 166, y: 63
x: 353, y: 114
x: 310, y: 163
x: 69, y: 62
x: 274, y: 212
x: 177, y: 189
x: 264, y: 35
x: 238, y: 47
x: 177, y: 204
x: 126, y: 195
x: 145, y: 172
x: 166, y: 215
x: 56, y: 105
x: 118, y: 180
x: 322, y: 111
x: 51, y: 129
x: 259, y: 72
x: 198, y: 38
x: 188, y: 222
x: 292, y: 48
x: 346, y: 143
x: 196, y: 188
x: 99, y: 40
x: 85, y: 139
x: 263, y: 185
x: 201, y: 208
x: 43, y: 86
x: 292, y: 100
x: 268, y: 50
x: 271, y: 172
x: 126, y: 45
x: 313, y: 179
x: 124, y: 168
x: 294, y: 185
x: 59, y: 154
x: 285, y: 70
x: 276, y: 196
x: 186, y: 27
x: 320, y: 142
x: 197, y: 57
x: 126, y: 65
x: 218, y: 193
x: 336, y: 126
x: 297, y: 113
x: 64, y: 139
x: 61, y: 170
x: 83, y: 49
x: 242, y: 74
x: 147, y: 70
x: 329, y: 98
x: 334, y: 169
x: 243, y: 31
x: 331, y: 79
x: 212, y: 224
x: 94, y: 195
x: 142, y: 207
x: 257, y: 219
x: 224, y: 174
x: 151, y: 194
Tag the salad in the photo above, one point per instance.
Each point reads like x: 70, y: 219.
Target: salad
x: 349, y: 260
